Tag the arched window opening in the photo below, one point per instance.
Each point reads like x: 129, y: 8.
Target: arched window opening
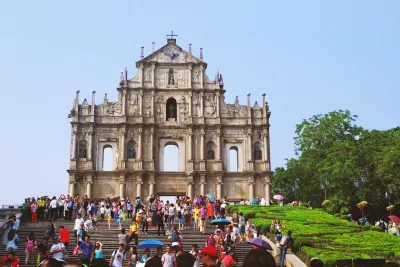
x: 171, y: 109
x: 257, y: 151
x: 82, y: 149
x: 131, y: 150
x: 107, y: 158
x: 171, y: 158
x: 233, y: 159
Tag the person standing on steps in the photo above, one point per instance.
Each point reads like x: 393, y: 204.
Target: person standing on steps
x: 171, y: 216
x: 284, y: 245
x: 160, y: 223
x: 87, y: 251
x: 168, y: 259
x: 118, y: 257
x: 203, y: 218
x: 123, y: 239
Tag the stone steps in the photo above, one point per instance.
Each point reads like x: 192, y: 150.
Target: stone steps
x: 109, y: 239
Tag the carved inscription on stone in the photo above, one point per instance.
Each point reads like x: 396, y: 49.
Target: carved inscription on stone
x: 196, y: 76
x: 147, y: 76
x: 183, y: 110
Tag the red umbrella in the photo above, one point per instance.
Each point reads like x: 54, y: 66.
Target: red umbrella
x: 394, y: 218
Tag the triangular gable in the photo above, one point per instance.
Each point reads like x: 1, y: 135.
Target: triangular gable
x: 171, y: 53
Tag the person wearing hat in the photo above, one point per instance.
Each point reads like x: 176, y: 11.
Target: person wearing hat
x: 57, y: 249
x: 227, y: 261
x: 209, y: 257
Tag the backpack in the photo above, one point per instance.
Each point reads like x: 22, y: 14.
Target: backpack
x: 29, y: 244
x: 123, y: 255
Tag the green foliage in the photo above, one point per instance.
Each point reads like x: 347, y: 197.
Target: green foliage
x: 333, y: 146
x: 318, y: 234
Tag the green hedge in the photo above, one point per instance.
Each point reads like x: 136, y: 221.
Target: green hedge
x: 318, y: 234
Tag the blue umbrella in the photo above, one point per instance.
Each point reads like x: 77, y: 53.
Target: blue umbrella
x: 259, y: 243
x: 222, y: 221
x: 211, y: 197
x: 151, y: 244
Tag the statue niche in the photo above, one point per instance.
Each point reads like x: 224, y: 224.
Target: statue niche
x: 131, y: 150
x: 171, y: 109
x: 82, y: 149
x: 210, y: 150
x: 171, y: 78
x: 257, y: 151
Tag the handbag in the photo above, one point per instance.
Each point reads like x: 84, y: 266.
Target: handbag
x: 76, y: 251
x: 175, y: 244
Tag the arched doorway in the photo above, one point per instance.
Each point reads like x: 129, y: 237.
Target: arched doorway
x: 171, y: 162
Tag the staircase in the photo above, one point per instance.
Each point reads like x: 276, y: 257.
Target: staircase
x: 109, y: 239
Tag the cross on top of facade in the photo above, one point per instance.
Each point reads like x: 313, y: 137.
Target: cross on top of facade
x: 172, y: 35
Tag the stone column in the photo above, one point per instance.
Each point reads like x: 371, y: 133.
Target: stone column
x: 139, y: 155
x: 190, y: 76
x: 190, y: 187
x: 152, y: 74
x: 189, y: 144
x: 190, y: 104
x: 139, y: 183
x: 71, y: 185
x: 123, y: 131
x: 249, y: 145
x: 152, y: 104
x: 89, y: 186
x: 123, y: 102
x: 151, y: 185
x: 93, y: 102
x: 72, y: 189
x: 264, y: 110
x: 151, y: 143
x: 121, y: 189
x: 265, y: 154
x: 217, y: 104
x: 201, y: 76
x: 90, y: 145
x: 218, y: 144
x: 141, y: 102
x: 219, y: 187
x: 201, y: 104
x: 267, y: 190
x: 250, y: 182
x: 202, y: 185
x: 202, y: 144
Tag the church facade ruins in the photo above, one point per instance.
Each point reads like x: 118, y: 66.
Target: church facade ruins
x: 170, y: 101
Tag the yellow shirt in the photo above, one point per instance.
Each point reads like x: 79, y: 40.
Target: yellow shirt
x: 41, y: 203
x: 133, y: 228
x: 196, y: 213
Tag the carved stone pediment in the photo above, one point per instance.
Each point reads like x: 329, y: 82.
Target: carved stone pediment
x: 171, y: 53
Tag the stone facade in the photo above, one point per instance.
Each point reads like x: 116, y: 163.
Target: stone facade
x: 170, y: 101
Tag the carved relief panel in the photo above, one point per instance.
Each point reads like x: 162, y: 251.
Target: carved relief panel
x: 210, y: 104
x: 134, y: 104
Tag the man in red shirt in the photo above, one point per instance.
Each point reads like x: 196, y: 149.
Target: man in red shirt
x: 64, y: 237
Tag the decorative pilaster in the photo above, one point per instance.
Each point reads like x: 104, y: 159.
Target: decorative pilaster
x: 249, y: 145
x: 123, y: 132
x: 202, y: 185
x: 151, y: 185
x: 201, y: 104
x: 140, y: 132
x: 202, y: 133
x: 219, y: 187
x: 189, y: 144
x: 152, y: 104
x: 89, y: 186
x: 123, y: 102
x: 190, y: 76
x: 141, y: 103
x: 153, y: 67
x: 190, y: 104
x: 217, y: 104
x: 190, y: 187
x: 141, y: 72
x: 151, y: 143
x: 90, y: 145
x: 72, y: 182
x: 265, y: 154
x: 122, y: 186
x: 218, y: 145
x: 251, y: 187
x: 201, y: 76
x: 139, y: 183
x: 267, y: 189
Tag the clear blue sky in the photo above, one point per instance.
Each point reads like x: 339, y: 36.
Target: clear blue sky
x: 308, y: 57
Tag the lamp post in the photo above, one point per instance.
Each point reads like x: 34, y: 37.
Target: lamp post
x: 296, y: 188
x: 359, y: 184
x: 324, y: 185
